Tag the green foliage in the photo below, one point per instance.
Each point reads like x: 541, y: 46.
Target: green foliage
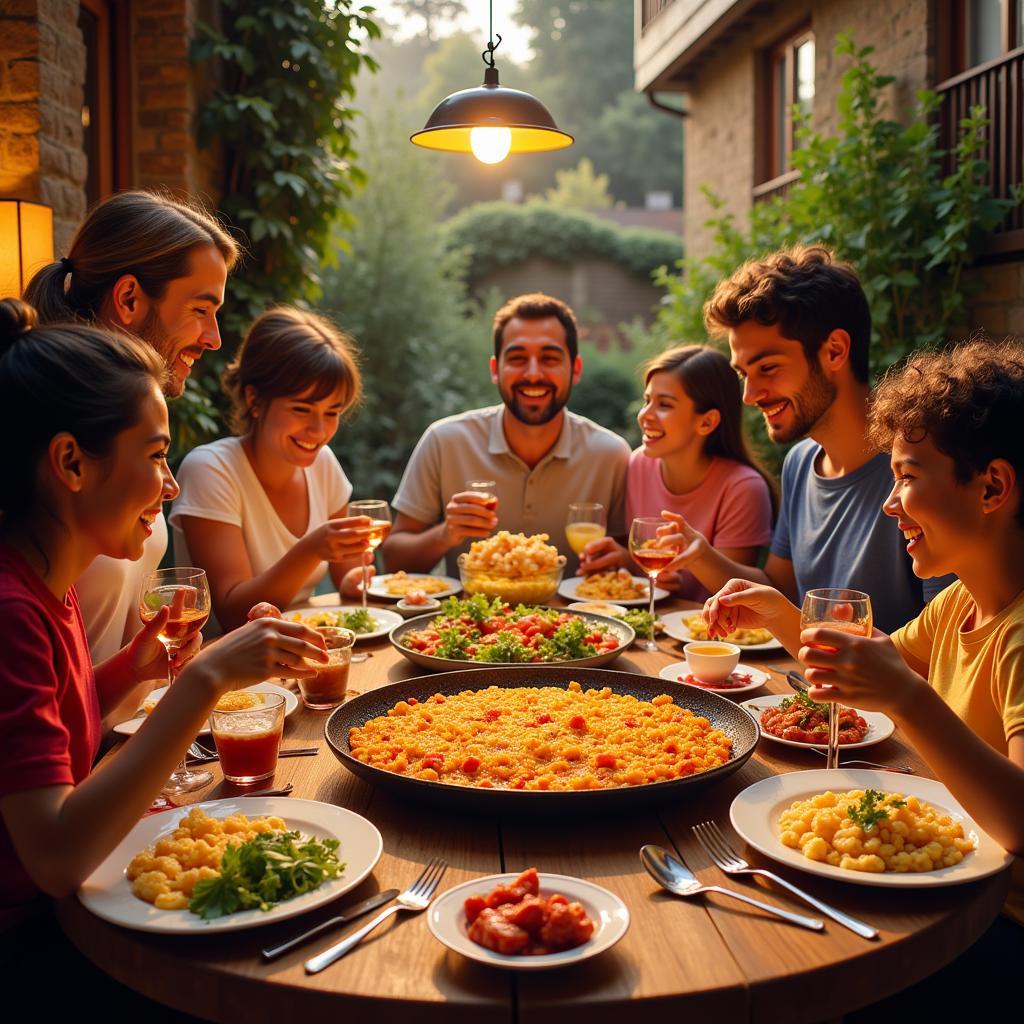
x: 579, y: 188
x: 879, y: 194
x: 398, y: 289
x: 282, y: 119
x: 496, y: 235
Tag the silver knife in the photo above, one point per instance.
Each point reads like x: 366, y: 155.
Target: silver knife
x: 273, y: 952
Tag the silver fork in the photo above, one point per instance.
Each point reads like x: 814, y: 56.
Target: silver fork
x: 904, y: 769
x: 416, y: 898
x: 717, y: 847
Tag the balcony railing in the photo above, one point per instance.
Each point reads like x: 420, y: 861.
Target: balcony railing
x: 650, y: 9
x: 777, y: 187
x: 998, y: 86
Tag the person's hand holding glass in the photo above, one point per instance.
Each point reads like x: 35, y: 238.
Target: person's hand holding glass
x: 848, y: 611
x: 652, y: 552
x: 185, y: 593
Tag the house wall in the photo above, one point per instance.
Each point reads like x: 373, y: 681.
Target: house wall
x: 42, y: 71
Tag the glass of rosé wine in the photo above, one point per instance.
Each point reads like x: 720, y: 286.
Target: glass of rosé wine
x: 186, y: 593
x: 650, y: 552
x: 845, y: 610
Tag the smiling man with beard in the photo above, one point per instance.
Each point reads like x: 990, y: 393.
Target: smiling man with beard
x: 799, y: 331
x: 540, y: 456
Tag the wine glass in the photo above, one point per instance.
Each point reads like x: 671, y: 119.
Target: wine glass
x: 380, y: 513
x: 186, y: 593
x: 586, y: 521
x: 845, y: 610
x: 649, y: 552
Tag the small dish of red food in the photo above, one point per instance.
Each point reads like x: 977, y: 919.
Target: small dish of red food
x: 742, y: 679
x: 529, y: 921
x: 795, y: 720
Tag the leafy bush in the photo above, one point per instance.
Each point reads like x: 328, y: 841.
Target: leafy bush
x: 878, y: 193
x: 398, y: 289
x: 282, y: 121
x: 496, y: 235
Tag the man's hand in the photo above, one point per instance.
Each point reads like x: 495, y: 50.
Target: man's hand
x: 467, y: 515
x: 603, y: 555
x: 861, y: 671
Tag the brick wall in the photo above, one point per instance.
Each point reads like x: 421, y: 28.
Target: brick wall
x: 42, y: 67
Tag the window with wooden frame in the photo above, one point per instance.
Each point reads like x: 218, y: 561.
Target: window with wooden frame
x: 789, y: 81
x: 974, y: 32
x: 105, y: 99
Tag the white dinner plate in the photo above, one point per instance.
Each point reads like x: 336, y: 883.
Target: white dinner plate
x: 107, y: 892
x: 447, y: 920
x: 675, y: 627
x: 880, y: 727
x: 386, y: 620
x: 679, y: 670
x: 378, y: 583
x: 755, y: 816
x: 567, y: 589
x: 132, y: 726
x: 596, y: 607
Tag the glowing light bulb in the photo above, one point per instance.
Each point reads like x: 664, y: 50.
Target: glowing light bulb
x: 490, y: 145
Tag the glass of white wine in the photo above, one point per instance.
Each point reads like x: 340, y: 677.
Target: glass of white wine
x: 380, y: 513
x: 185, y: 592
x: 585, y: 521
x: 848, y: 611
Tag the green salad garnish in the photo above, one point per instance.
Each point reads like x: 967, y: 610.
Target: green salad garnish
x: 359, y: 621
x: 641, y: 621
x: 871, y: 811
x: 265, y: 870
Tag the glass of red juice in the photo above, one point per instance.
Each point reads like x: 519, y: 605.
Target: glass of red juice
x: 248, y: 740
x: 328, y: 687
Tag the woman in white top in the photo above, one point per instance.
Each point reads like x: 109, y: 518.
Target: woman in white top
x: 264, y: 512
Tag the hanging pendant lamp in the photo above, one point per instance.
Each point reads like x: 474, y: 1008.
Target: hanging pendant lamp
x: 490, y: 121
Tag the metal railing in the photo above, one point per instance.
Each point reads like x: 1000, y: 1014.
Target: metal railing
x: 998, y: 86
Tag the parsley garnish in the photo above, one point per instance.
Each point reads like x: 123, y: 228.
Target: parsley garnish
x: 641, y: 621
x: 271, y: 867
x: 869, y: 813
x: 359, y: 621
x: 801, y: 698
x: 453, y: 644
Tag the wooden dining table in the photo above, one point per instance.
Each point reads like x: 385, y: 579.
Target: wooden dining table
x: 712, y: 957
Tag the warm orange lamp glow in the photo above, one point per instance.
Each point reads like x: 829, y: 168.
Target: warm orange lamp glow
x: 26, y: 243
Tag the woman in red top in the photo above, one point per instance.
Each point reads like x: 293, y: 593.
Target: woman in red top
x: 83, y: 472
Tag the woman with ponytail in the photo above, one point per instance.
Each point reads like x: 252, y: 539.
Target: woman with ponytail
x: 156, y: 267
x: 693, y: 467
x: 85, y: 478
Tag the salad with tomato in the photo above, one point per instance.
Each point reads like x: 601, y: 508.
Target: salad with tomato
x: 482, y: 629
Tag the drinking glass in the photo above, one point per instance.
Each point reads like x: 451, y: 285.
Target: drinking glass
x: 186, y: 593
x: 328, y: 687
x: 586, y: 521
x: 846, y: 610
x: 484, y: 490
x: 248, y: 740
x: 380, y: 513
x: 652, y: 555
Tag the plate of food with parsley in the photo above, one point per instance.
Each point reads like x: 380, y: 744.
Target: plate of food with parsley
x: 797, y: 721
x: 481, y: 631
x: 366, y: 623
x: 227, y: 865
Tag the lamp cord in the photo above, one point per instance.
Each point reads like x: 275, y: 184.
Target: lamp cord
x: 488, y: 55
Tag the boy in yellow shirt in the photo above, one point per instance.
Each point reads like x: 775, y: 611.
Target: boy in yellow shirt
x: 953, y: 678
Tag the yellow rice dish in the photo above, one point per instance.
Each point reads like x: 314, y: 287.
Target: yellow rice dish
x: 866, y: 830
x: 544, y: 738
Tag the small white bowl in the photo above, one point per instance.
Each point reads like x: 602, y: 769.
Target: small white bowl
x: 423, y: 608
x: 708, y: 667
x: 598, y: 608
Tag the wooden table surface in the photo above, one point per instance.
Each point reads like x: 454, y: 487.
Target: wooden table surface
x: 710, y: 956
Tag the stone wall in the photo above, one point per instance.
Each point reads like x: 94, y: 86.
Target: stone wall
x: 42, y: 68
x: 42, y: 72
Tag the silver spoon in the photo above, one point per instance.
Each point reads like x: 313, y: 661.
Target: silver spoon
x: 671, y: 874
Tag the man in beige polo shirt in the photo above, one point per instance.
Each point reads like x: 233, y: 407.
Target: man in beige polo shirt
x: 540, y: 456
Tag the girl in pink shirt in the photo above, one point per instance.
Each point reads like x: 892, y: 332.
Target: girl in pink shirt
x: 693, y: 462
